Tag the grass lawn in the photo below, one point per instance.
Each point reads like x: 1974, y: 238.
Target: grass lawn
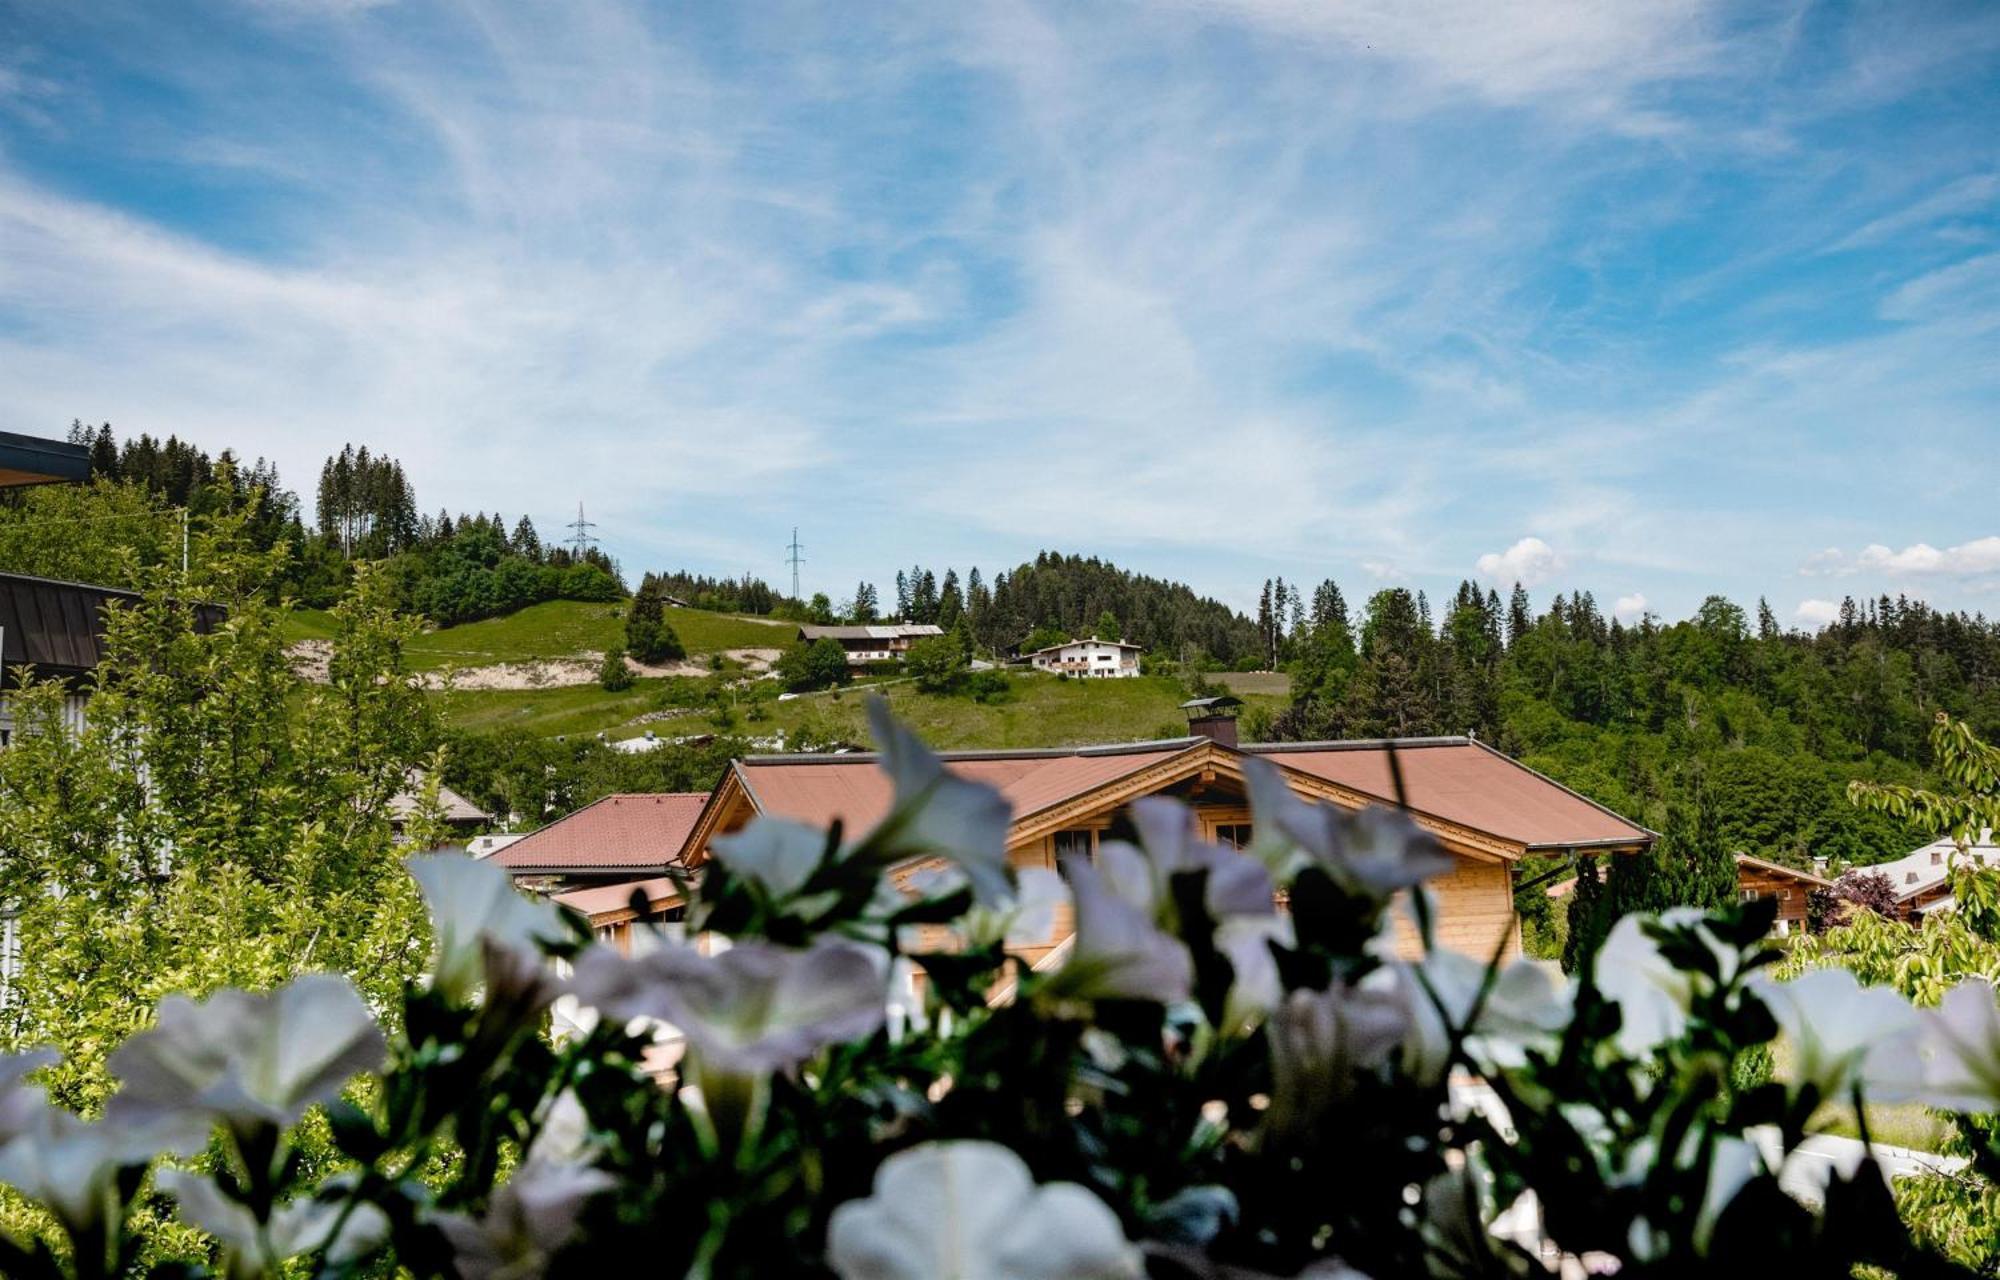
x: 559, y: 629
x: 1243, y: 684
x: 579, y: 709
x: 1043, y: 712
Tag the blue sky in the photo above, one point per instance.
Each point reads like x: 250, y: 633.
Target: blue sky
x: 1653, y: 300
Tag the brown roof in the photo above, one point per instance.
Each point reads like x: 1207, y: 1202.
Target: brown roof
x: 609, y: 903
x: 1454, y: 780
x: 1768, y: 867
x: 817, y: 789
x: 618, y: 833
x: 1469, y: 783
x: 455, y: 809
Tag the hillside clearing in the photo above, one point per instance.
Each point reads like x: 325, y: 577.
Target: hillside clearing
x: 1042, y: 712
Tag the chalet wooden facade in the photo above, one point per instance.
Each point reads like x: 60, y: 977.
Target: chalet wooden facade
x: 1788, y: 886
x: 1485, y: 808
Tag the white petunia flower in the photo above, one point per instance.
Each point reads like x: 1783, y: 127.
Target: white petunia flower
x: 345, y: 1234
x: 1528, y: 1004
x: 1120, y: 953
x: 476, y: 912
x: 1255, y: 987
x: 753, y: 1009
x: 1961, y: 1048
x: 777, y: 853
x: 972, y: 1211
x: 1320, y: 1040
x: 1842, y: 1034
x: 71, y: 1167
x: 1374, y: 853
x: 532, y: 1215
x: 937, y: 812
x: 246, y: 1060
x: 1653, y: 997
x: 20, y: 1104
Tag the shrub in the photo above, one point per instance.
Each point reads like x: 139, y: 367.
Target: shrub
x: 1201, y: 1087
x: 818, y: 665
x: 937, y: 663
x: 613, y: 676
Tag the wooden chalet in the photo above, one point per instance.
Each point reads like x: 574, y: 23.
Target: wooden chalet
x: 1484, y: 807
x: 1791, y: 887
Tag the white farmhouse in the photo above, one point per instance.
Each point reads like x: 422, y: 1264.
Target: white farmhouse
x: 1089, y: 659
x: 1922, y: 877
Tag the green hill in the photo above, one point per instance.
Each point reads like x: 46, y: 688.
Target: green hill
x: 1042, y: 711
x: 561, y: 629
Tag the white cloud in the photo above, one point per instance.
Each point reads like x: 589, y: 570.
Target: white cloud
x: 1976, y: 558
x: 1630, y: 608
x: 1816, y: 613
x: 1529, y: 562
x: 1382, y: 570
x: 1972, y: 194
x: 1821, y: 564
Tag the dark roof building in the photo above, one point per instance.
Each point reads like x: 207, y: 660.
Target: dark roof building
x: 58, y: 627
x: 26, y: 460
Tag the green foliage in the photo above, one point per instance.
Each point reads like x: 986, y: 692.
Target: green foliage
x: 819, y: 665
x: 613, y: 676
x: 937, y: 663
x: 647, y: 635
x: 217, y: 820
x: 1193, y: 1063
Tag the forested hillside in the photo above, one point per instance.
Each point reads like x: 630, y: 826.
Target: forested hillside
x: 1763, y: 727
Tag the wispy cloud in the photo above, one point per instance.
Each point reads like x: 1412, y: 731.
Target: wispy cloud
x: 1224, y: 287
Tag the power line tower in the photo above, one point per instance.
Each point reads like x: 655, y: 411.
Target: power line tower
x: 580, y: 538
x: 794, y: 559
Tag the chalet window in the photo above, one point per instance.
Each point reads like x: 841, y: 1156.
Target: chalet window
x: 1235, y: 834
x: 1071, y: 844
x: 1937, y: 857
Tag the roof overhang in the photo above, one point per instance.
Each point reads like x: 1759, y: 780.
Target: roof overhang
x: 28, y: 460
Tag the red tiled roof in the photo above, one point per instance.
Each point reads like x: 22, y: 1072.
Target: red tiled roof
x: 605, y: 903
x: 857, y: 791
x: 1454, y: 780
x: 1468, y: 783
x: 619, y: 832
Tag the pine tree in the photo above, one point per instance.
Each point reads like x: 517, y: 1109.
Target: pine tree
x: 648, y: 636
x: 104, y: 454
x: 951, y: 601
x: 1520, y: 615
x: 865, y: 607
x: 526, y: 541
x: 1767, y: 622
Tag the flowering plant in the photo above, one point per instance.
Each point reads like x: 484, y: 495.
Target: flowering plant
x: 866, y: 1083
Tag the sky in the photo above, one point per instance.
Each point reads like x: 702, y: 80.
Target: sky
x: 1653, y: 300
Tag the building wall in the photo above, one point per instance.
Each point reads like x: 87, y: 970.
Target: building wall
x: 1475, y: 912
x: 1091, y: 659
x: 72, y: 716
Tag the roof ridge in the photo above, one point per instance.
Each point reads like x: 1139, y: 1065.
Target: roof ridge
x: 981, y: 753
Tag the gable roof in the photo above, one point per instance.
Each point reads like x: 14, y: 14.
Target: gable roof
x: 1466, y: 792
x: 1929, y: 866
x: 1467, y: 783
x: 624, y: 832
x: 1781, y: 871
x: 454, y: 808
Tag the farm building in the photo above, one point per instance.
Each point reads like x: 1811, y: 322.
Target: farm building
x: 886, y: 642
x: 1091, y: 659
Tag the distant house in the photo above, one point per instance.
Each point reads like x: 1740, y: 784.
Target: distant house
x: 613, y: 843
x: 1788, y: 886
x: 1922, y: 877
x: 1090, y: 659
x: 887, y: 642
x: 461, y: 816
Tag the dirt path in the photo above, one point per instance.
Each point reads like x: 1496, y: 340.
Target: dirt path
x: 310, y: 659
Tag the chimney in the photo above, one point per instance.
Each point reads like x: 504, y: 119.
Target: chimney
x: 1213, y: 718
x: 1220, y: 729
